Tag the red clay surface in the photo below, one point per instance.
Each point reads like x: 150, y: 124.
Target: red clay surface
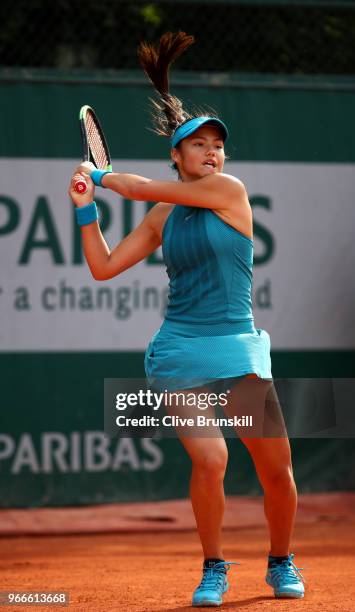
x: 172, y: 515
x: 157, y: 571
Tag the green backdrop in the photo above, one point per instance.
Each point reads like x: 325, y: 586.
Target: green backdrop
x: 47, y: 403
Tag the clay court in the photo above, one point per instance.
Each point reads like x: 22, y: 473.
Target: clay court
x: 157, y: 569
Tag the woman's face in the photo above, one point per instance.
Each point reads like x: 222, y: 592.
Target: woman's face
x: 200, y: 154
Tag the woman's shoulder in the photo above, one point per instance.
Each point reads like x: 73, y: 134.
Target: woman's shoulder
x: 229, y: 189
x: 232, y: 181
x: 236, y: 210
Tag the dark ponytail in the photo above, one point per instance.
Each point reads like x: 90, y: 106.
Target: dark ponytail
x: 168, y: 112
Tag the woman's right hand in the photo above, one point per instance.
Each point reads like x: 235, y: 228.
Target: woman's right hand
x: 81, y: 199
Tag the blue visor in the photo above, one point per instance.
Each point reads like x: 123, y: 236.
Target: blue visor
x: 188, y: 128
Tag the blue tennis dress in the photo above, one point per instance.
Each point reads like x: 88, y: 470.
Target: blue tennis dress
x: 208, y: 331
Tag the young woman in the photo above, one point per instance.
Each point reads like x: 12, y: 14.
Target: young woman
x: 204, y: 222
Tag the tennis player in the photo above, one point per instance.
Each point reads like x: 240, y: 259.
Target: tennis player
x: 204, y: 223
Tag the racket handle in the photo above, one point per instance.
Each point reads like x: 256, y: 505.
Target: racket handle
x: 80, y: 186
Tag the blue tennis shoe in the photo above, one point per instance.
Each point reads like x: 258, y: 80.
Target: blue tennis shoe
x: 213, y: 585
x: 285, y: 578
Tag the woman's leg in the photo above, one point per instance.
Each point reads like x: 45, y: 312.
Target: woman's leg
x: 209, y: 460
x: 272, y: 460
x: 209, y: 457
x: 269, y: 447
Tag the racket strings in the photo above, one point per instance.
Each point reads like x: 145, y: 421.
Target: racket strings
x: 96, y: 145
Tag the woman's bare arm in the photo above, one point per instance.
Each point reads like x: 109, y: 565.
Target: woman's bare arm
x: 212, y: 191
x: 135, y: 247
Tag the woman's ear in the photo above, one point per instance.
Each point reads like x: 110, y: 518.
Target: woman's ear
x: 174, y: 155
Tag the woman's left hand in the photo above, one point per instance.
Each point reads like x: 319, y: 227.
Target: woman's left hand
x: 81, y: 199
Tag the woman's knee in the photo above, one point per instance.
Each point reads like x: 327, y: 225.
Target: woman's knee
x: 211, y: 466
x: 280, y: 479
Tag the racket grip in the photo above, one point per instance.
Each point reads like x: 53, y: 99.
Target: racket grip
x: 80, y: 186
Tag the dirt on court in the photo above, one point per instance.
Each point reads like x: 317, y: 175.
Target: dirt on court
x: 158, y: 571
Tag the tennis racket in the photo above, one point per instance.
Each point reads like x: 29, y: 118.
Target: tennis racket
x: 94, y: 143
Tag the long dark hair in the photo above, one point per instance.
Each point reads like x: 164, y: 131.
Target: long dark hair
x: 168, y: 112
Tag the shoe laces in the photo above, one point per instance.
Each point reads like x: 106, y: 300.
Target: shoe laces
x: 213, y: 577
x: 287, y: 570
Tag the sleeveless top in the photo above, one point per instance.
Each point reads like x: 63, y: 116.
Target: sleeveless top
x: 209, y: 264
